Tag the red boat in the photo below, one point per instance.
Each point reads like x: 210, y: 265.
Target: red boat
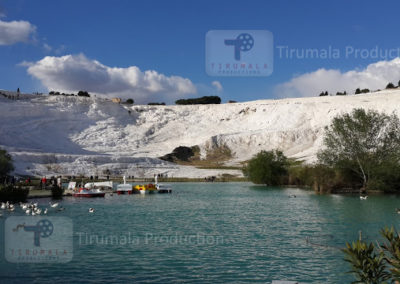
x: 85, y: 192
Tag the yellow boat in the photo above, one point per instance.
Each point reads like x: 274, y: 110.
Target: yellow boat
x: 145, y: 188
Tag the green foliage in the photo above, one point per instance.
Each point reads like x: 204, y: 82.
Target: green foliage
x: 156, y: 104
x: 341, y: 94
x: 375, y: 264
x: 130, y: 101
x: 13, y: 194
x: 57, y: 192
x: 366, y: 264
x: 323, y: 94
x: 267, y: 167
x: 364, y: 144
x: 390, y: 86
x: 83, y: 94
x: 358, y: 91
x: 6, y: 165
x: 392, y: 249
x: 200, y: 101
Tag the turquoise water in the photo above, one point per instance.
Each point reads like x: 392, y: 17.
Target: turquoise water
x: 210, y: 232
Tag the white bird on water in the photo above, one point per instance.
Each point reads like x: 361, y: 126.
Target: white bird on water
x: 91, y: 210
x: 363, y: 197
x: 45, y: 211
x: 53, y: 205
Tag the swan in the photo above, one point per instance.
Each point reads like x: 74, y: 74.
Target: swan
x: 91, y: 210
x: 363, y: 197
x: 53, y: 205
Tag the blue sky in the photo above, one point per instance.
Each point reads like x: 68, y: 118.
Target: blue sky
x: 169, y: 37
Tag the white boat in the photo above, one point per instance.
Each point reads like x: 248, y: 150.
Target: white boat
x: 124, y: 188
x: 85, y: 192
x: 101, y: 184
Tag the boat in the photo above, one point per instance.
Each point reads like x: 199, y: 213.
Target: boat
x: 145, y: 188
x: 124, y: 188
x: 86, y: 192
x: 162, y: 188
x: 101, y: 184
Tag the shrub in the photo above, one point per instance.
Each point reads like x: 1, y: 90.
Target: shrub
x: 13, y: 194
x: 83, y: 94
x: 341, y: 94
x: 197, y: 101
x: 323, y: 94
x: 57, y: 192
x: 156, y: 104
x: 267, y: 167
x: 6, y: 165
x: 130, y: 101
x: 390, y: 86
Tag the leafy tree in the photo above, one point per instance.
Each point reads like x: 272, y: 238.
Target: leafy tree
x: 267, y: 167
x: 83, y: 94
x: 6, y: 165
x: 156, y: 104
x: 390, y: 86
x: 200, y: 101
x: 358, y: 91
x: 365, y: 143
x: 130, y: 101
x: 323, y: 94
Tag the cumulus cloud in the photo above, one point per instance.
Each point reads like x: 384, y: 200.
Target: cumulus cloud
x: 218, y: 86
x: 71, y: 73
x: 374, y: 76
x: 15, y: 31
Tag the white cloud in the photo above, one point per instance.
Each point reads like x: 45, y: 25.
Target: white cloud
x: 218, y: 86
x: 71, y: 73
x: 374, y: 76
x: 15, y: 31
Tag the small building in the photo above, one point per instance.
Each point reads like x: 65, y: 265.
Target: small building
x: 116, y: 100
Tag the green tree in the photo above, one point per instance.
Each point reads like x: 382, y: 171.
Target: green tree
x: 358, y: 91
x: 390, y: 86
x: 130, y: 101
x: 6, y: 165
x: 267, y: 167
x: 366, y: 143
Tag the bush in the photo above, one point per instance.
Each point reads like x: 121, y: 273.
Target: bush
x: 200, y: 101
x: 341, y: 94
x: 6, y: 165
x: 13, y: 194
x: 390, y: 86
x: 267, y: 167
x: 57, y: 192
x: 156, y: 104
x: 323, y: 94
x: 83, y: 94
x: 130, y: 101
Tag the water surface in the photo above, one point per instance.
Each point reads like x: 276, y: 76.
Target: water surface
x: 210, y: 232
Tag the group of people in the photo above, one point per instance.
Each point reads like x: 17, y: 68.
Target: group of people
x: 53, y: 181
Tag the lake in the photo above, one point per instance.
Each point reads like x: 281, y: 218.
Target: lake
x: 208, y: 232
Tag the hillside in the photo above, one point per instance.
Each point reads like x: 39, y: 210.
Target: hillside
x: 92, y: 136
